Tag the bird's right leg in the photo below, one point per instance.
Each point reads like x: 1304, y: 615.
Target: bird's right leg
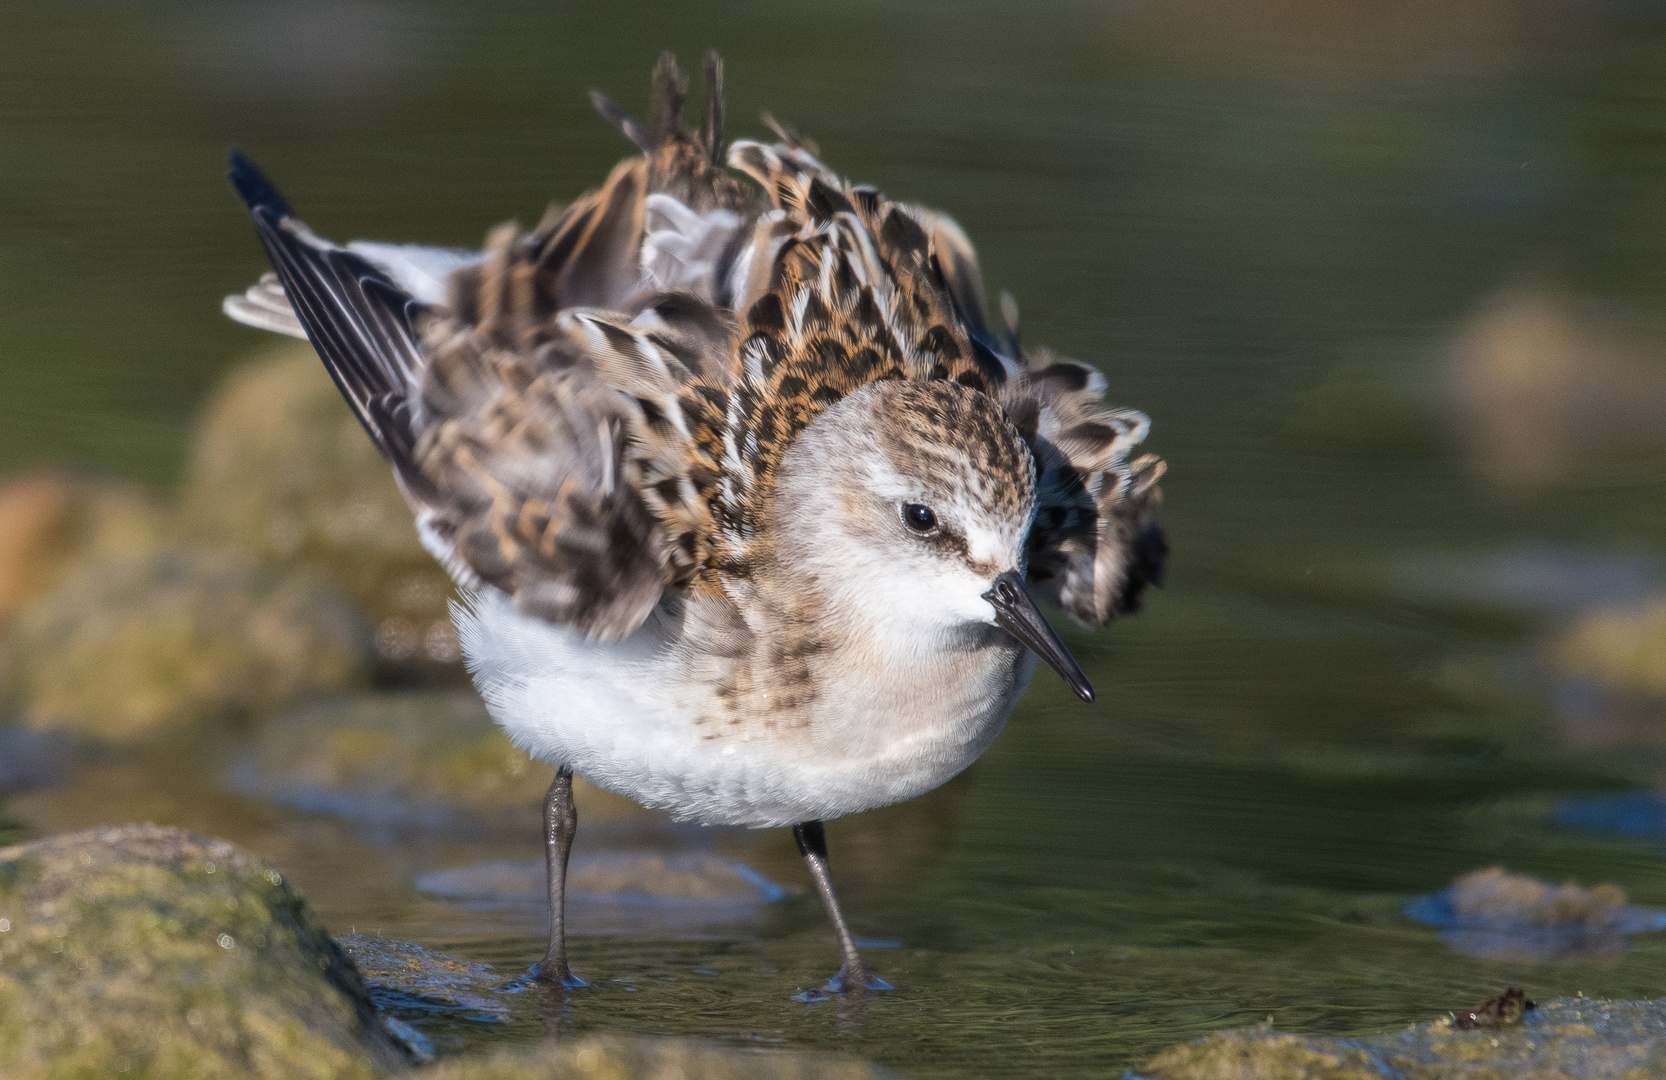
x: 854, y: 973
x: 560, y: 822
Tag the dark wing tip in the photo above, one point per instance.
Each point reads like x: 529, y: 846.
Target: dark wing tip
x: 252, y: 186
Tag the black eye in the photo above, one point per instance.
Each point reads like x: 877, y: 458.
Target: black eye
x: 919, y: 518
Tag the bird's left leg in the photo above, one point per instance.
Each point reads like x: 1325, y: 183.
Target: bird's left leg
x: 854, y: 973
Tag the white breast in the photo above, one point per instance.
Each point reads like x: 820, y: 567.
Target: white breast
x: 625, y: 716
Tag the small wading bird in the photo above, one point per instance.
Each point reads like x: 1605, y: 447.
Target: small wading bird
x: 746, y: 499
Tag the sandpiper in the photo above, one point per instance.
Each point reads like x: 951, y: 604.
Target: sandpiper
x: 746, y: 497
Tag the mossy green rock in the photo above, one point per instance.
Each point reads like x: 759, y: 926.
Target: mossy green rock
x: 127, y: 647
x: 280, y: 468
x: 150, y: 952
x: 1597, y: 1040
x: 614, y: 1058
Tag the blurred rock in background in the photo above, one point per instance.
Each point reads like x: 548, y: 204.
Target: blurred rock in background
x: 290, y: 569
x: 1513, y: 917
x: 280, y: 468
x: 49, y: 518
x: 1544, y: 385
x: 132, y: 645
x: 414, y: 760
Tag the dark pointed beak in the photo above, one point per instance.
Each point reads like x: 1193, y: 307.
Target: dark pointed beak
x: 1017, y: 614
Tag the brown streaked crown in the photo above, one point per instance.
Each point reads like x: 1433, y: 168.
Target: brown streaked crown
x: 959, y: 442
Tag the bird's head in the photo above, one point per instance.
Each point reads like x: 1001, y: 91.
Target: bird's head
x: 909, y: 503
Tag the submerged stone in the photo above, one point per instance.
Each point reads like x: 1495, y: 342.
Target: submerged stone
x: 148, y: 951
x: 129, y: 646
x: 411, y: 760
x: 620, y: 1058
x: 1526, y: 578
x: 403, y: 975
x: 624, y: 891
x: 1640, y: 814
x: 1500, y: 915
x: 31, y: 759
x: 1597, y: 1040
x: 280, y: 468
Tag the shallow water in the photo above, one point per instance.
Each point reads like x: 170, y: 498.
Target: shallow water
x: 1268, y: 224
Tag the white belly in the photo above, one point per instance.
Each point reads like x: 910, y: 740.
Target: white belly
x: 625, y: 716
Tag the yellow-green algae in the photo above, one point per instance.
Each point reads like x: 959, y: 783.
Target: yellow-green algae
x: 140, y: 951
x: 1594, y: 1039
x: 613, y: 1058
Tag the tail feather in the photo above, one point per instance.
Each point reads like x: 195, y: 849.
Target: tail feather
x: 665, y: 110
x: 712, y: 132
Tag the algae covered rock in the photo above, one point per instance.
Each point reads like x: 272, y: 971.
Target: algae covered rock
x: 153, y: 952
x: 615, y: 1058
x: 1598, y: 1040
x: 1260, y: 1053
x: 280, y: 468
x: 130, y: 646
x: 419, y: 759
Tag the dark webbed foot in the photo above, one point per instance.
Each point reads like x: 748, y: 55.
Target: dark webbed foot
x: 858, y: 979
x: 544, y: 973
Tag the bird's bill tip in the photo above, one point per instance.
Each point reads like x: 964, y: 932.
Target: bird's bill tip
x: 1017, y: 614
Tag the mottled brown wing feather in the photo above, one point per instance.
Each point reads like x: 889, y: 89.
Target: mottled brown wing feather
x: 522, y: 459
x: 555, y: 383
x: 564, y: 450
x: 526, y: 457
x: 600, y: 410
